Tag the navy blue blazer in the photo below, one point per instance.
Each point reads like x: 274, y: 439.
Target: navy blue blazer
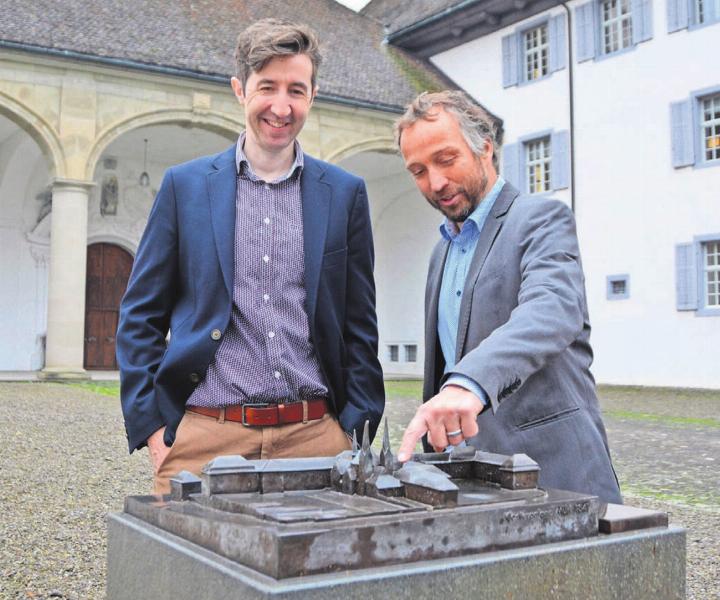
x: 182, y: 282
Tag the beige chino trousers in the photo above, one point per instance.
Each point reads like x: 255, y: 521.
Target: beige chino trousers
x: 199, y: 439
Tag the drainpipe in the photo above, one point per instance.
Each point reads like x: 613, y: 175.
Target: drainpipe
x: 571, y: 94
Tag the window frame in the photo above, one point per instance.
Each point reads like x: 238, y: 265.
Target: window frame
x: 610, y: 294
x: 390, y: 348
x: 524, y: 141
x: 600, y: 31
x: 406, y: 352
x: 692, y: 15
x: 698, y: 98
x: 699, y: 242
x: 521, y: 33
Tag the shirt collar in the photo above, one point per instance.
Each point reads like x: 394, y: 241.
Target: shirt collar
x: 478, y: 215
x: 243, y: 166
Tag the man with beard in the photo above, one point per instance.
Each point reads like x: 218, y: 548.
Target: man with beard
x: 507, y: 352
x: 259, y: 262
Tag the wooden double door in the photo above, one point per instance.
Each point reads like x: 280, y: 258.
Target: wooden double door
x: 108, y: 271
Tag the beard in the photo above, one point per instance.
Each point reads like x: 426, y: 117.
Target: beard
x: 471, y: 193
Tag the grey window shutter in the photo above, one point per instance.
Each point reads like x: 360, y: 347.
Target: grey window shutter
x: 556, y: 33
x: 510, y: 59
x: 585, y: 30
x: 686, y: 277
x: 511, y: 164
x: 642, y: 21
x: 677, y: 15
x: 681, y: 124
x: 560, y: 165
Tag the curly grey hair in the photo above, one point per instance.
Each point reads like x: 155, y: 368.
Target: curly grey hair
x: 475, y: 123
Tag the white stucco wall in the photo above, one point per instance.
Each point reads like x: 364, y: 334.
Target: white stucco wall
x: 405, y: 229
x: 632, y: 206
x: 23, y: 266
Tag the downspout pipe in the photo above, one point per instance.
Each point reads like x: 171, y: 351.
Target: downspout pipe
x: 571, y: 97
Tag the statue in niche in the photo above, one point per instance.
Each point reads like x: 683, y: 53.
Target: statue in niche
x: 109, y: 196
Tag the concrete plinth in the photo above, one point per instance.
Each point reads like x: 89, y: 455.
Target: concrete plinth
x: 147, y: 562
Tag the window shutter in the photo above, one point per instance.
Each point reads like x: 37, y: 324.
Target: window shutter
x: 510, y: 59
x: 560, y: 165
x: 642, y: 22
x: 677, y: 15
x: 681, y: 123
x: 556, y: 33
x: 585, y: 29
x: 712, y: 9
x: 686, y: 277
x: 511, y: 164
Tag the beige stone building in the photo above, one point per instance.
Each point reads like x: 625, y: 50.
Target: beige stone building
x: 96, y: 101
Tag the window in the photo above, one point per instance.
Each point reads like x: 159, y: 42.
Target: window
x: 604, y: 27
x: 538, y: 163
x: 534, y: 51
x: 618, y: 287
x: 393, y: 353
x: 710, y: 127
x: 688, y: 14
x: 616, y: 25
x: 711, y: 273
x: 697, y: 275
x: 411, y: 353
x: 695, y: 133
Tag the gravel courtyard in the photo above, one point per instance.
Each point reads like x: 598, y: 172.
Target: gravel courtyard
x: 65, y: 465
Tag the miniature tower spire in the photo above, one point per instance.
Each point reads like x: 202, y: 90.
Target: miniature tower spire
x: 355, y: 445
x: 387, y: 459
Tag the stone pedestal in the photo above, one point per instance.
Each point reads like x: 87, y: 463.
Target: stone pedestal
x: 66, y: 285
x: 147, y: 562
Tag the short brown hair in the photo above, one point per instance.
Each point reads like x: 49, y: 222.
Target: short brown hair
x: 268, y: 38
x: 476, y: 124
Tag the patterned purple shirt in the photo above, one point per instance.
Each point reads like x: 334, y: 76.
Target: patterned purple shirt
x: 266, y: 354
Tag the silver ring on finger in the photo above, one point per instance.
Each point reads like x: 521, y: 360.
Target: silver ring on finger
x: 454, y: 433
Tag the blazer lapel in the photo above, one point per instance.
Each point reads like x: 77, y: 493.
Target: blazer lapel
x: 316, y: 197
x: 432, y: 298
x: 489, y: 232
x: 222, y: 191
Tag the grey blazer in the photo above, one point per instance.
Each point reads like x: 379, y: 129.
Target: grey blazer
x: 523, y: 336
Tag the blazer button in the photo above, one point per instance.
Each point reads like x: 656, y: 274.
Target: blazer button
x: 194, y: 377
x: 216, y: 334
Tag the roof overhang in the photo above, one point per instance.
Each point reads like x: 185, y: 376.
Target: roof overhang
x: 463, y: 23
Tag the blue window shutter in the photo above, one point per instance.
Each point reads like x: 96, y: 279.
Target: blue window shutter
x: 556, y: 33
x: 642, y: 21
x: 677, y: 15
x: 510, y: 59
x: 560, y: 164
x: 585, y: 30
x: 686, y: 277
x: 681, y: 124
x: 511, y: 164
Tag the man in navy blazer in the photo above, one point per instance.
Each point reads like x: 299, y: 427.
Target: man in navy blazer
x: 248, y: 326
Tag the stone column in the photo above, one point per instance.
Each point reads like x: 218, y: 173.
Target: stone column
x: 66, y: 281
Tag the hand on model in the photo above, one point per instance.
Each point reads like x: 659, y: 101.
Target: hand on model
x: 454, y: 409
x: 158, y: 449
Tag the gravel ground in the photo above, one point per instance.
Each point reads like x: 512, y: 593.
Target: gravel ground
x: 65, y: 466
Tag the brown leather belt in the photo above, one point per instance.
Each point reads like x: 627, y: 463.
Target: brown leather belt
x: 264, y: 415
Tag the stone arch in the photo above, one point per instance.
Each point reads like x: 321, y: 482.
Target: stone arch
x: 207, y: 119
x: 119, y: 239
x: 39, y: 129
x: 378, y: 144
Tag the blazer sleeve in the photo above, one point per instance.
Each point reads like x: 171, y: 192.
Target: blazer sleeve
x: 550, y: 310
x: 145, y: 317
x: 364, y: 389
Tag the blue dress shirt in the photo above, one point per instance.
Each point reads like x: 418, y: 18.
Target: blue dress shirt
x: 459, y: 256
